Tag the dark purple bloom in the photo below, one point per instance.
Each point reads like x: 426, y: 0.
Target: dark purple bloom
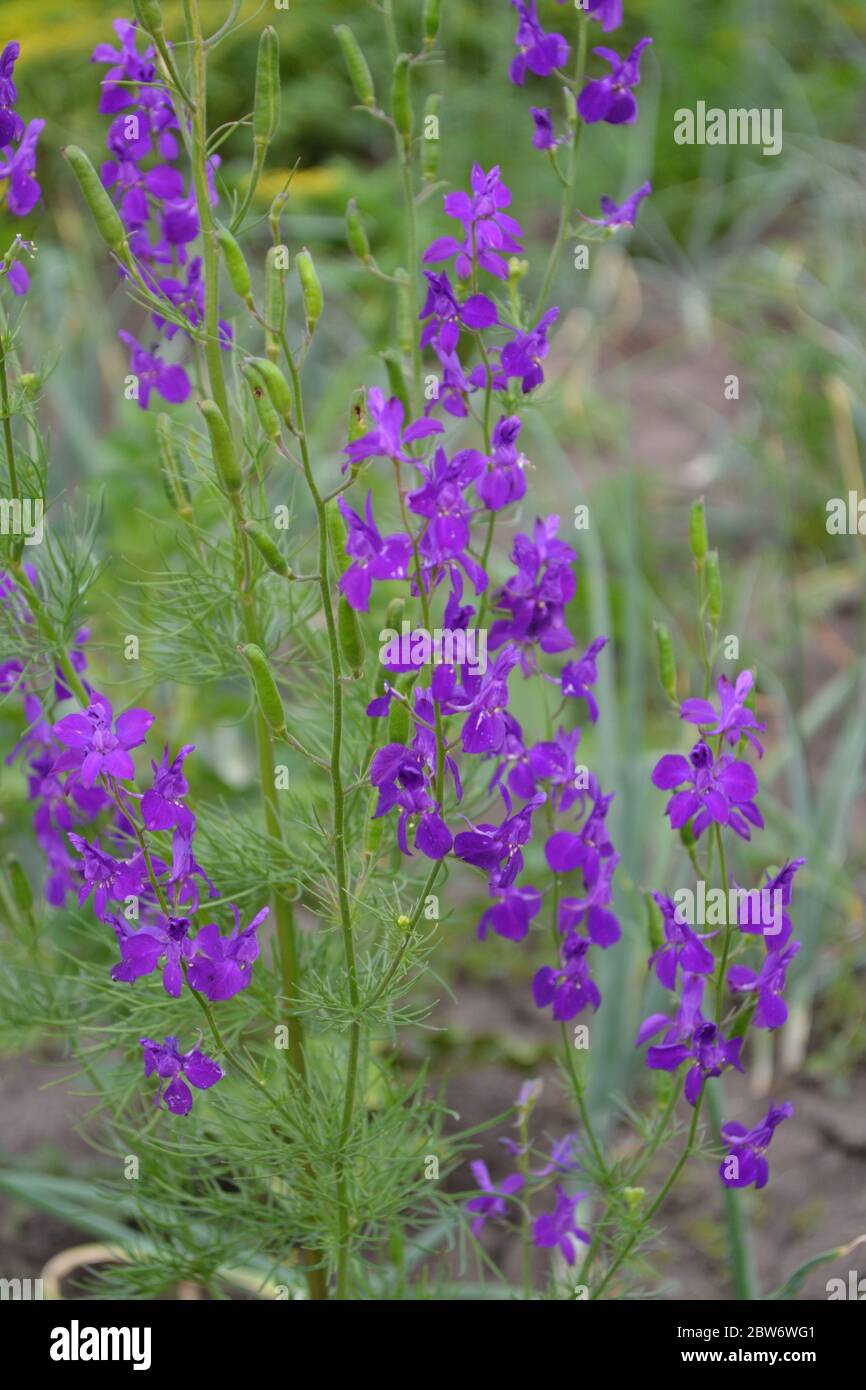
x: 106, y: 877
x: 93, y: 749
x: 389, y: 438
x: 689, y: 1037
x: 141, y: 951
x: 622, y: 214
x: 720, y: 791
x: 402, y: 774
x: 544, y: 137
x: 577, y: 677
x: 607, y: 12
x: 521, y: 358
x: 20, y: 169
x: 442, y: 500
x: 503, y: 480
x: 602, y: 926
x: 11, y: 124
x: 172, y: 1065
x: 443, y: 315
x: 222, y: 965
x: 610, y: 98
x: 558, y: 1228
x: 733, y: 719
x: 373, y: 556
x: 570, y: 989
x: 745, y: 1162
x: 169, y: 379
x: 493, y: 1200
x: 511, y: 914
x: 498, y: 849
x: 767, y: 983
x: 683, y: 949
x: 489, y: 234
x: 538, y: 52
x: 537, y: 595
x: 162, y: 807
x: 759, y: 914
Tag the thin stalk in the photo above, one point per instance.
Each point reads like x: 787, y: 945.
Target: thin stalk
x: 568, y: 192
x: 742, y: 1264
x: 7, y: 423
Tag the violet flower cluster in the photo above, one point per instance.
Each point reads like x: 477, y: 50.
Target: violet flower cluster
x: 156, y: 204
x: 712, y: 790
x: 17, y: 165
x: 93, y: 820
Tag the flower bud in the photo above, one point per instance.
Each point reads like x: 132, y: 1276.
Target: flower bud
x: 394, y: 613
x: 634, y: 1196
x: 401, y: 101
x: 667, y: 666
x: 698, y: 530
x: 267, y: 694
x: 714, y: 588
x: 173, y: 478
x: 655, y: 924
x: 351, y: 637
x: 238, y: 270
x: 222, y: 447
x: 268, y: 549
x: 311, y: 290
x: 104, y: 213
x: 431, y: 18
x: 357, y: 65
x: 149, y: 15
x: 266, y: 111
x: 356, y: 236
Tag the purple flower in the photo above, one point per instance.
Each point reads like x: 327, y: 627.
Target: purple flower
x: 172, y: 1065
x: 689, y: 1037
x: 767, y: 983
x: 14, y: 269
x: 388, y: 439
x: 537, y: 595
x: 745, y: 1162
x: 94, y: 750
x: 442, y: 501
x: 20, y: 169
x: 570, y: 989
x: 544, y: 137
x: 162, y: 807
x: 538, y: 52
x: 760, y: 916
x: 607, y: 12
x: 610, y: 98
x: 222, y: 966
x: 373, y: 556
x: 488, y: 232
x: 558, y: 1228
x: 521, y: 358
x: 503, y: 480
x: 683, y: 949
x: 718, y: 791
x: 485, y: 700
x: 733, y: 720
x: 602, y: 926
x: 141, y: 951
x: 11, y: 123
x: 577, y: 677
x: 623, y: 214
x: 107, y: 878
x: 498, y: 849
x: 493, y: 1200
x: 511, y: 913
x: 169, y: 379
x: 401, y: 775
x: 443, y: 315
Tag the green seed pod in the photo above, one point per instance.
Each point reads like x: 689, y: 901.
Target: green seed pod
x: 406, y: 326
x: 337, y: 535
x: 430, y: 144
x: 270, y: 701
x: 655, y: 924
x: 714, y: 588
x: 21, y: 890
x: 276, y: 386
x: 275, y: 298
x: 268, y: 418
x: 104, y: 213
x: 401, y: 101
x: 431, y: 19
x: 238, y: 270
x: 266, y: 111
x: 311, y: 290
x: 268, y: 549
x: 667, y: 666
x: 222, y: 447
x: 173, y: 478
x: 358, y: 425
x: 397, y: 379
x: 351, y: 637
x: 698, y: 530
x: 356, y: 236
x: 357, y: 65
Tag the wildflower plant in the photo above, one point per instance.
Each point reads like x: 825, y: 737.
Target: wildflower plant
x: 239, y: 977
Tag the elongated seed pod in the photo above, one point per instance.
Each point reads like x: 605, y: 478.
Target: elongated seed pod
x: 238, y: 270
x: 351, y: 637
x: 356, y: 236
x: 268, y: 418
x: 267, y: 694
x: 667, y: 666
x: 431, y: 19
x: 698, y: 530
x: 276, y: 386
x: 311, y: 290
x: 394, y: 613
x: 173, y: 477
x: 222, y: 447
x: 102, y: 209
x: 714, y: 588
x: 268, y: 549
x: 655, y: 924
x: 358, y: 423
x: 401, y: 100
x: 266, y: 111
x: 396, y: 378
x: 276, y: 263
x: 337, y: 535
x: 357, y: 65
x: 430, y: 146
x: 20, y: 883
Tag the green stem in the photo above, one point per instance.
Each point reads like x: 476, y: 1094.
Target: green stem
x: 569, y: 190
x: 742, y: 1264
x: 7, y: 423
